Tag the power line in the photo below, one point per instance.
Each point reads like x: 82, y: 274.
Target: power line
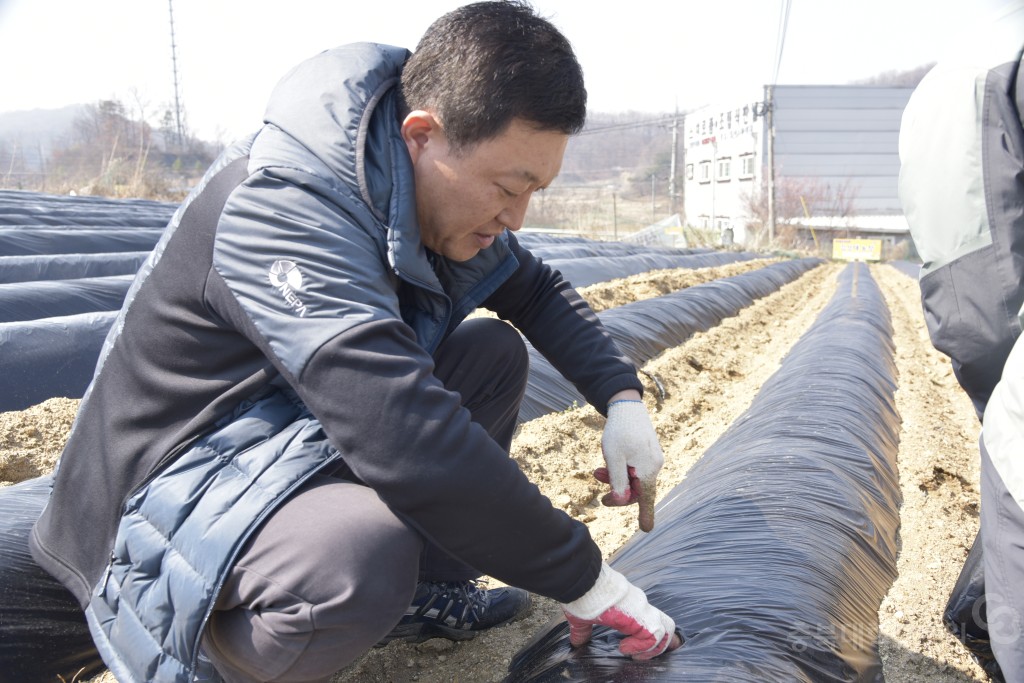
x: 661, y: 121
x: 780, y: 40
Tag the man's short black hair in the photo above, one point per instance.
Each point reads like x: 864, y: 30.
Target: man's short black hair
x: 482, y: 65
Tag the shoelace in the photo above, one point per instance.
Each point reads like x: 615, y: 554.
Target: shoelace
x: 472, y: 593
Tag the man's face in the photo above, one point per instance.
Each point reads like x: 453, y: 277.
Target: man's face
x: 464, y: 200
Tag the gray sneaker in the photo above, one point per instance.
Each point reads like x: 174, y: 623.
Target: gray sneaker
x: 457, y: 610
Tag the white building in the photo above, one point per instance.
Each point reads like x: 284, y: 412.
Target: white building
x: 835, y: 155
x: 723, y: 165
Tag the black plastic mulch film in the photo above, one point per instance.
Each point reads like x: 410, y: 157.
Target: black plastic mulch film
x: 50, y: 357
x: 775, y: 552
x: 18, y: 209
x: 26, y: 241
x: 55, y: 307
x: 43, y: 633
x: 585, y: 271
x: 644, y: 329
x: 38, y: 267
x: 813, y: 559
x: 25, y: 301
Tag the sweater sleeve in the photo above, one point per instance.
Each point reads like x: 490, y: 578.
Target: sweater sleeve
x: 334, y: 332
x: 564, y: 329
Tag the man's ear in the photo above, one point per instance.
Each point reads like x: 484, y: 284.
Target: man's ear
x: 420, y: 129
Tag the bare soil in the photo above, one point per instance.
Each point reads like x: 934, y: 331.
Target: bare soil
x: 709, y: 381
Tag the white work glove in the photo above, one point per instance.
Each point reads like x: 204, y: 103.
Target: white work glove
x: 633, y: 457
x: 618, y: 604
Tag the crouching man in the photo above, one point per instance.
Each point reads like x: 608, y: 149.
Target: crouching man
x: 294, y: 447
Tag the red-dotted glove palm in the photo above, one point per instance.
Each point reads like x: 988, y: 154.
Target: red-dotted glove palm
x: 633, y: 457
x: 618, y: 604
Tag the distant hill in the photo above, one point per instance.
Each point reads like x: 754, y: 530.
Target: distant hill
x: 907, y: 79
x: 33, y: 132
x: 616, y: 147
x: 631, y: 152
x: 39, y: 122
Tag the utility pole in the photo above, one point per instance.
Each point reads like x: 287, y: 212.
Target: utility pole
x: 714, y: 178
x: 615, y: 213
x: 672, y: 190
x: 174, y: 65
x: 769, y: 110
x: 653, y: 210
x: 42, y: 162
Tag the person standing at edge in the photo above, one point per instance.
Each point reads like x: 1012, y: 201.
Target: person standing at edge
x: 962, y: 187
x: 294, y: 447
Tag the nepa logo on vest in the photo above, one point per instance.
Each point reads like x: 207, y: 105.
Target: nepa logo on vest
x: 286, y: 277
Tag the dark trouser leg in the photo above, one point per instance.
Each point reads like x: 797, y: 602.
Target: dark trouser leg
x: 333, y: 570
x: 486, y: 362
x: 314, y: 589
x: 1002, y: 536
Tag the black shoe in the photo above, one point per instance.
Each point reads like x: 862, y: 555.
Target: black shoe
x: 457, y: 610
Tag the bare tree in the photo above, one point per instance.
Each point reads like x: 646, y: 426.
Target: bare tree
x: 908, y: 79
x: 798, y: 200
x: 108, y: 151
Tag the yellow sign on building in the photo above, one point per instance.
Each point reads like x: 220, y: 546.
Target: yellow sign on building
x: 846, y: 249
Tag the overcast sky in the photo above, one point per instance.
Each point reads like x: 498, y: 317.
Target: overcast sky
x: 651, y: 56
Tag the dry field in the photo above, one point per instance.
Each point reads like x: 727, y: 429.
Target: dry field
x: 937, y: 464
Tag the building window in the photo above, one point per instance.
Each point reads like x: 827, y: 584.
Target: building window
x: 689, y: 171
x: 704, y: 174
x: 703, y: 221
x: 724, y: 168
x: 725, y: 231
x: 746, y: 166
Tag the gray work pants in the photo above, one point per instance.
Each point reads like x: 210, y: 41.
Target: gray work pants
x: 1002, y: 537
x: 333, y: 569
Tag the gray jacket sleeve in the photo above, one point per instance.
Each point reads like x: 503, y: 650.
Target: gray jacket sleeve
x: 560, y: 324
x: 962, y: 189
